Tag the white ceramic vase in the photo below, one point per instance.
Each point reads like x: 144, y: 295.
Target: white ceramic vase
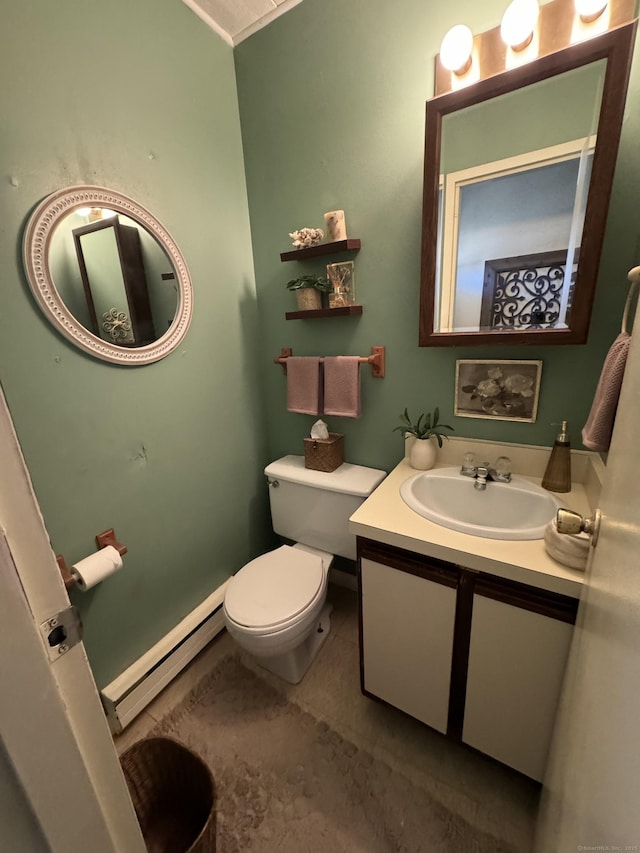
x: 423, y: 454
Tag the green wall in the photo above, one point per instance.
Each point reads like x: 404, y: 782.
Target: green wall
x: 140, y: 97
x: 332, y: 102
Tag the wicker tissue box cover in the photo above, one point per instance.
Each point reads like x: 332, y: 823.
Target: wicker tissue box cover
x: 324, y: 454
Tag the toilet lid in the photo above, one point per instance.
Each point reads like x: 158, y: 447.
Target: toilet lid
x: 274, y: 588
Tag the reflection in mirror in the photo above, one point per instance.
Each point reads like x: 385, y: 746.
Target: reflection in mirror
x: 518, y: 172
x: 108, y: 275
x: 514, y: 195
x: 112, y: 272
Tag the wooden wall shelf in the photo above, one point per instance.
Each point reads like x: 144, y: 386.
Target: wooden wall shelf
x: 321, y: 249
x: 348, y: 310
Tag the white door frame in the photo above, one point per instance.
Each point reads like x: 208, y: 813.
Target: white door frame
x: 52, y: 725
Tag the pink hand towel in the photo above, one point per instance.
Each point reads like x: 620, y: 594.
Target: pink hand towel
x: 342, y: 386
x: 596, y: 434
x: 304, y: 389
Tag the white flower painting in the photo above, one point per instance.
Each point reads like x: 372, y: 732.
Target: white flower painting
x: 505, y: 390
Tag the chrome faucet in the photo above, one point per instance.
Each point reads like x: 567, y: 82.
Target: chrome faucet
x: 500, y: 473
x: 482, y: 475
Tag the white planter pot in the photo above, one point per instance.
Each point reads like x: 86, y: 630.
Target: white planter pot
x: 423, y: 454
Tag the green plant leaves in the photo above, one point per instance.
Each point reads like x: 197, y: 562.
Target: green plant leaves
x: 319, y: 282
x: 424, y: 427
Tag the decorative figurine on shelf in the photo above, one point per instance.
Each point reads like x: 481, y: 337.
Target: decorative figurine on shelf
x: 305, y: 237
x: 308, y: 290
x: 336, y: 226
x: 343, y: 284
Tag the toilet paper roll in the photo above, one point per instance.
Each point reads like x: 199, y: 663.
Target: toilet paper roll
x: 97, y: 567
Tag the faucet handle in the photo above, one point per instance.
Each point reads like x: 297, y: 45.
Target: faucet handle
x: 503, y: 469
x: 468, y: 465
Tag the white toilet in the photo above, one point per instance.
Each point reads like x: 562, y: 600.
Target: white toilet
x: 275, y: 606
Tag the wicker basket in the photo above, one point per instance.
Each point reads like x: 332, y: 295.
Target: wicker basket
x: 173, y: 794
x: 324, y: 454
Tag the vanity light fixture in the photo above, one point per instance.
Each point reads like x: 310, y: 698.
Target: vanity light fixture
x: 590, y: 10
x: 518, y: 23
x: 456, y: 49
x: 95, y: 214
x: 91, y: 214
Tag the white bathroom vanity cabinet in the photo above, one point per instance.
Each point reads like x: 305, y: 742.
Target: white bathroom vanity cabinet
x: 466, y: 634
x: 479, y: 658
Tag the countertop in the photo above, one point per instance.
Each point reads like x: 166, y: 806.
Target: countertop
x: 384, y: 517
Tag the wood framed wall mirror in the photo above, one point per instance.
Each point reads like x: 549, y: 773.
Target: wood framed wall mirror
x: 518, y: 174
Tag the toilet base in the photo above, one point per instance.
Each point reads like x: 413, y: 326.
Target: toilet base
x: 292, y: 666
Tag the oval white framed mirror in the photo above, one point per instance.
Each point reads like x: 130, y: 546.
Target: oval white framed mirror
x: 108, y: 275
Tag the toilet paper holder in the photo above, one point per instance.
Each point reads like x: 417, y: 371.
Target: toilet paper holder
x: 107, y: 537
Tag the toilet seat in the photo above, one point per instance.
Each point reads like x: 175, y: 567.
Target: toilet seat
x: 275, y: 590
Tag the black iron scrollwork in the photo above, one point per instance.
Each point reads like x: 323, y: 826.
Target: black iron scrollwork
x: 528, y: 298
x: 523, y: 293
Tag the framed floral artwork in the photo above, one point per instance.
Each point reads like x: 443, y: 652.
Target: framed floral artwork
x: 501, y: 390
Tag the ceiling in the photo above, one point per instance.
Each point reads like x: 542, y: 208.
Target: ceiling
x: 236, y: 20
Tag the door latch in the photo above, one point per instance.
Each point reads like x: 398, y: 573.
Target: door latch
x: 61, y: 632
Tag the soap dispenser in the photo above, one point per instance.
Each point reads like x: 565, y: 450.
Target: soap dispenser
x: 557, y: 477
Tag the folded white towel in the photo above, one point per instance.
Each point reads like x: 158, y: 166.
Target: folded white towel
x: 569, y: 549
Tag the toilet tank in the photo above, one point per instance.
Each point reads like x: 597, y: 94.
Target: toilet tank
x: 313, y: 507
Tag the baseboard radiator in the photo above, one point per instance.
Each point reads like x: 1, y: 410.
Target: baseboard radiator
x: 132, y: 690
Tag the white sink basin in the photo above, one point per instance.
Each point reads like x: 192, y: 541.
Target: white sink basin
x: 515, y: 510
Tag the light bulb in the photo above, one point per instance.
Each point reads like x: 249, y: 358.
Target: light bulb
x: 518, y: 23
x: 589, y: 10
x: 455, y: 50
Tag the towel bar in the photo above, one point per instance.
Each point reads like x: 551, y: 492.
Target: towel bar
x: 634, y: 278
x: 376, y: 360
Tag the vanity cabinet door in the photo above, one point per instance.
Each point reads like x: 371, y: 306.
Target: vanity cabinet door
x: 476, y: 657
x: 407, y: 623
x: 517, y: 657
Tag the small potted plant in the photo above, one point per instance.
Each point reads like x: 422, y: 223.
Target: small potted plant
x: 423, y: 451
x: 308, y: 289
